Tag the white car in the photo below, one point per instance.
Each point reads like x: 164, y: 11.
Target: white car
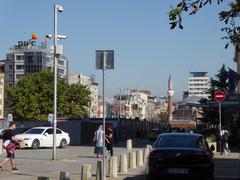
x: 43, y: 137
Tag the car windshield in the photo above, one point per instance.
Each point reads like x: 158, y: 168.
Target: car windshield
x: 20, y: 130
x: 177, y: 141
x: 34, y: 131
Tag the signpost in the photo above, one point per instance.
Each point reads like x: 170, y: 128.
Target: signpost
x: 219, y: 96
x: 10, y: 118
x: 104, y: 61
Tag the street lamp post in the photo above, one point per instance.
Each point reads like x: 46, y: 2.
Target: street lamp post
x: 57, y: 8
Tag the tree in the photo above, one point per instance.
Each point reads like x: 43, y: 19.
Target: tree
x: 210, y: 113
x: 193, y: 6
x: 220, y: 83
x: 32, y: 98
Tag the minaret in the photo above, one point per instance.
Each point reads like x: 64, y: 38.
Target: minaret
x: 170, y: 95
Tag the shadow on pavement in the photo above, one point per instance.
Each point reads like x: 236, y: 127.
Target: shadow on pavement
x: 94, y: 157
x: 138, y: 177
x: 136, y: 143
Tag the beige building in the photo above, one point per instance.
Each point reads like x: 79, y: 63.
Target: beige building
x: 91, y: 84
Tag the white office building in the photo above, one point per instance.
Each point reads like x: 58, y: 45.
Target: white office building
x: 198, y: 84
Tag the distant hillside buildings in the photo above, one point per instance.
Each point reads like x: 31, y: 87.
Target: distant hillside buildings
x: 135, y: 103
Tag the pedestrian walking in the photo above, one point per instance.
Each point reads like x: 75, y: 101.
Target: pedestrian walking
x: 226, y: 135
x: 109, y: 140
x: 9, y: 142
x: 98, y: 140
x: 224, y: 138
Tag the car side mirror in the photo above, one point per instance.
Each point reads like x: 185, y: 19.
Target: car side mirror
x: 212, y: 148
x: 46, y: 134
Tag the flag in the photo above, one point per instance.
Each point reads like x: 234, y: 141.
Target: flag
x: 233, y: 79
x: 34, y: 36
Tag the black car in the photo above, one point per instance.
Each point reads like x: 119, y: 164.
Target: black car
x: 181, y: 155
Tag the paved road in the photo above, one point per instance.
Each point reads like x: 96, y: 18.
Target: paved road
x: 227, y: 167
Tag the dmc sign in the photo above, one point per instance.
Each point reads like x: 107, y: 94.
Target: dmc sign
x: 30, y: 42
x: 26, y: 43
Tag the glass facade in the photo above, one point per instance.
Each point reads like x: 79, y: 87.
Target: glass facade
x: 34, y: 61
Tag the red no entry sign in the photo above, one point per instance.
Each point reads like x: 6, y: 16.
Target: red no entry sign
x: 219, y: 96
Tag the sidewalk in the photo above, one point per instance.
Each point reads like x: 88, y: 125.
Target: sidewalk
x: 232, y: 155
x: 34, y: 163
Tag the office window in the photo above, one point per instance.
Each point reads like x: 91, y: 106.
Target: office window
x: 60, y: 62
x: 10, y: 76
x: 60, y: 71
x: 19, y: 57
x: 10, y: 66
x: 19, y: 67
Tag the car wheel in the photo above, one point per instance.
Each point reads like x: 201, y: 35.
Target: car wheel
x: 63, y: 143
x: 35, y: 144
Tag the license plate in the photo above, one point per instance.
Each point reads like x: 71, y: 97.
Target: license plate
x: 178, y: 171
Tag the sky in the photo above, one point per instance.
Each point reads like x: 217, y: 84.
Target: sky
x: 146, y: 50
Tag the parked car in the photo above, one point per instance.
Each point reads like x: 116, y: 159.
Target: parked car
x: 153, y: 134
x: 181, y: 155
x: 2, y: 130
x: 43, y: 137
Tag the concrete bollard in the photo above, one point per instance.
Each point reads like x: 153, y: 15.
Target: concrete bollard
x: 1, y: 144
x: 64, y: 176
x: 123, y: 164
x: 129, y: 144
x: 99, y: 175
x: 113, y: 169
x: 149, y: 147
x: 132, y: 159
x: 43, y: 178
x: 146, y: 153
x: 86, y: 172
x: 139, y: 157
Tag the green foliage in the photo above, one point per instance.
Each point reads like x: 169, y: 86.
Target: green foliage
x: 220, y: 83
x: 32, y: 98
x: 230, y: 16
x: 210, y: 113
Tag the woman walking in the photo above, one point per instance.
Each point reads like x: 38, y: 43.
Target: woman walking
x: 98, y: 139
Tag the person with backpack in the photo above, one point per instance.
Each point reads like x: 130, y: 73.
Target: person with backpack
x: 9, y: 142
